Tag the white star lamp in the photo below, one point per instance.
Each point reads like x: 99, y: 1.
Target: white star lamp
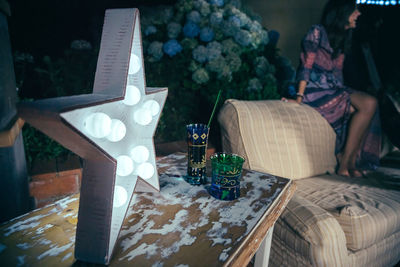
x: 112, y: 129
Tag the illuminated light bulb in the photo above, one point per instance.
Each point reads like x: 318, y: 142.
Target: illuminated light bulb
x: 134, y: 64
x: 124, y: 165
x: 145, y: 170
x: 132, y: 95
x: 120, y: 196
x: 142, y: 116
x: 97, y: 124
x: 153, y: 106
x: 140, y: 154
x: 118, y: 131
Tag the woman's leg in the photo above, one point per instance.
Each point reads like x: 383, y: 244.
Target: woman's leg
x: 365, y: 106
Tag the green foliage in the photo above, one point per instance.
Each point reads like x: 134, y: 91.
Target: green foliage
x: 39, y: 147
x: 71, y: 74
x: 237, y: 60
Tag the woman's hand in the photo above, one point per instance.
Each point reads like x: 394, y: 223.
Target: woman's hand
x: 297, y: 101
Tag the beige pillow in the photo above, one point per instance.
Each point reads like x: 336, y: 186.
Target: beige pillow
x: 283, y: 139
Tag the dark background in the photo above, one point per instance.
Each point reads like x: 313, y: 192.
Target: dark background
x: 47, y: 27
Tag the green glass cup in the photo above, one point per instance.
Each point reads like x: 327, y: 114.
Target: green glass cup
x: 226, y: 174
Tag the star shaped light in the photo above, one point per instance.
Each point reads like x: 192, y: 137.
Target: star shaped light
x: 112, y: 129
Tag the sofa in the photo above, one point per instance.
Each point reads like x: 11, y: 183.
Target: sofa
x: 331, y: 220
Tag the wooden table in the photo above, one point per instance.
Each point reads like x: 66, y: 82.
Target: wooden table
x: 180, y: 226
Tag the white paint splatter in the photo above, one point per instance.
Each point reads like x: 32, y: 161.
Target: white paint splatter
x: 143, y: 249
x: 14, y: 228
x: 63, y: 203
x: 24, y: 246
x: 244, y: 212
x: 55, y: 251
x: 67, y: 256
x: 224, y: 255
x: 2, y: 248
x: 44, y: 242
x: 40, y: 230
x: 158, y: 264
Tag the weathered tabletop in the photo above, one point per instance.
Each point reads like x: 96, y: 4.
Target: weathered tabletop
x: 180, y: 226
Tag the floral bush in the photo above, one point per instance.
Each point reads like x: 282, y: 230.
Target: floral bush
x: 198, y: 47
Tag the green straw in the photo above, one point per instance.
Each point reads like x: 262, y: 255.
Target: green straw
x: 215, y: 106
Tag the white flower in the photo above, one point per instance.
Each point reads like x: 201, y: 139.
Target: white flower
x: 194, y: 16
x: 200, y: 76
x: 200, y: 54
x: 213, y: 50
x: 155, y: 50
x: 173, y: 30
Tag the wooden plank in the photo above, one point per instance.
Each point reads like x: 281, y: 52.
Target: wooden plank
x: 7, y: 137
x: 246, y: 252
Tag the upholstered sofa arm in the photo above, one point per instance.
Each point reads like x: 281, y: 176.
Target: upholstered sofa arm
x: 284, y: 139
x: 313, y: 232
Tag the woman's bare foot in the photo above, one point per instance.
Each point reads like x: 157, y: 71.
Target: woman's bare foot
x: 356, y: 173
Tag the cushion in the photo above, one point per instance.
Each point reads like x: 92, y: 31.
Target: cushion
x: 283, y: 139
x: 366, y: 209
x: 306, y: 235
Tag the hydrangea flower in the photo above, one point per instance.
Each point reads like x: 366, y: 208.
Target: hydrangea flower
x: 236, y: 3
x: 173, y: 30
x: 200, y: 54
x: 264, y: 37
x: 216, y: 2
x: 245, y: 21
x: 234, y: 62
x: 228, y: 28
x: 155, y: 50
x: 255, y: 27
x: 200, y: 76
x: 230, y: 47
x: 189, y: 43
x: 213, y: 50
x: 203, y: 7
x: 243, y: 37
x: 261, y: 65
x: 172, y: 47
x: 216, y: 18
x: 216, y: 65
x: 150, y: 30
x: 291, y: 90
x: 191, y: 30
x: 81, y: 45
x: 254, y: 85
x: 206, y: 34
x: 193, y: 66
x: 184, y: 6
x: 235, y: 21
x: 225, y: 74
x: 193, y: 16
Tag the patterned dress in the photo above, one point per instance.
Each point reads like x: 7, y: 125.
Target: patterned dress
x: 326, y: 93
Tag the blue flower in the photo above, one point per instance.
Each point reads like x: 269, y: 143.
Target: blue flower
x: 172, y: 47
x: 235, y: 21
x: 194, y: 16
x: 200, y: 54
x: 243, y: 37
x: 150, y: 30
x: 191, y: 29
x: 216, y: 2
x: 291, y: 90
x: 206, y: 34
x: 216, y: 18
